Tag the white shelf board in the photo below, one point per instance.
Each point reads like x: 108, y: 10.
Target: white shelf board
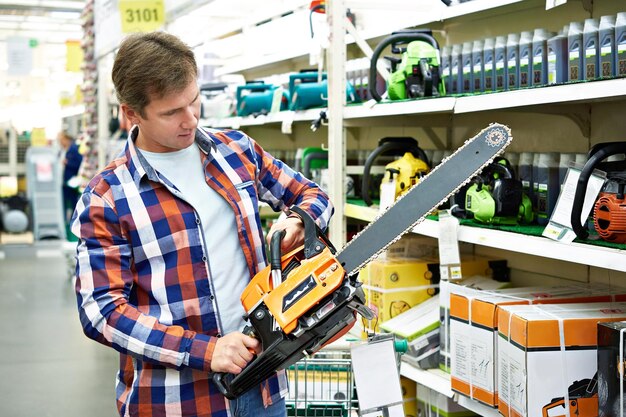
x: 268, y: 119
x: 475, y: 6
x: 598, y: 256
x: 478, y: 408
x: 557, y: 94
x: 435, y: 379
x: 425, y: 105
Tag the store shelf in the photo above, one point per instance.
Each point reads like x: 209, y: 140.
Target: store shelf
x: 436, y: 379
x: 478, y: 408
x: 267, y: 119
x: 515, y: 242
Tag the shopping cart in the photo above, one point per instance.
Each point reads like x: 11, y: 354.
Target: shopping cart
x: 322, y: 385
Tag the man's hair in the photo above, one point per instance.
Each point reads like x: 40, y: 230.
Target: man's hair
x: 151, y: 65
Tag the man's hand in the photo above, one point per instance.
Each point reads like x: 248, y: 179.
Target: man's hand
x: 233, y: 352
x: 294, y: 233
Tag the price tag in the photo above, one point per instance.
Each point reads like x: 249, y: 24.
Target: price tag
x: 387, y: 194
x: 449, y: 256
x: 287, y: 123
x: 141, y: 15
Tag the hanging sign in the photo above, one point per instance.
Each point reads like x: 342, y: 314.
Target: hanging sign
x: 74, y: 56
x: 19, y: 56
x: 141, y: 15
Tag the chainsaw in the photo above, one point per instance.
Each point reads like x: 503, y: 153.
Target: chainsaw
x: 310, y: 296
x: 583, y: 400
x: 609, y: 212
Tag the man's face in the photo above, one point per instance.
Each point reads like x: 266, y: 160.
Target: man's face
x: 170, y: 122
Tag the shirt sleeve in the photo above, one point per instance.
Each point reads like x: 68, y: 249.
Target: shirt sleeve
x: 103, y: 284
x: 282, y: 187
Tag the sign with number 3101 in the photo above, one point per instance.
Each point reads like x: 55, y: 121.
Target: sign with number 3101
x: 141, y: 15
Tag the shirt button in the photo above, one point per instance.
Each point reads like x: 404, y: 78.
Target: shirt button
x: 218, y: 335
x: 197, y: 221
x: 204, y: 259
x: 212, y: 298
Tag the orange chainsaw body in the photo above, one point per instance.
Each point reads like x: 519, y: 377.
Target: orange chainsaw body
x: 609, y: 218
x: 302, y: 287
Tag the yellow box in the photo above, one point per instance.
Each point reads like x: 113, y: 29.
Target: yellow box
x: 409, y: 396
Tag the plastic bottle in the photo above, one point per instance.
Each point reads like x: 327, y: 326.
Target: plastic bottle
x: 445, y: 67
x: 620, y: 44
x: 455, y: 69
x: 606, y: 40
x: 557, y: 57
x: 564, y: 162
x: 513, y: 158
x: 525, y: 58
x: 467, y: 78
x: 512, y: 61
x: 535, y: 185
x: 478, y: 67
x: 525, y: 173
x: 547, y: 185
x: 500, y: 63
x: 490, y: 64
x: 591, y: 48
x: 574, y: 51
x: 540, y: 57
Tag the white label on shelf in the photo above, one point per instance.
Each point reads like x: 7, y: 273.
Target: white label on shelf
x: 553, y: 3
x: 560, y: 227
x: 387, y: 194
x: 287, y: 123
x: 449, y: 244
x: 235, y: 122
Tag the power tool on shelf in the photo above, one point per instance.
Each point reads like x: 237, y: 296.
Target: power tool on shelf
x: 496, y: 197
x: 256, y: 98
x: 609, y: 211
x: 416, y: 73
x: 309, y: 297
x: 583, y: 400
x: 217, y: 100
x: 309, y: 88
x: 406, y: 171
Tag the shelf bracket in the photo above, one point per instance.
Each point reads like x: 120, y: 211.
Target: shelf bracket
x: 580, y: 114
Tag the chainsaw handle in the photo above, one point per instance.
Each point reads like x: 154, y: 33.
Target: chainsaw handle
x: 275, y: 252
x: 387, y: 146
x: 596, y: 155
x: 395, y: 38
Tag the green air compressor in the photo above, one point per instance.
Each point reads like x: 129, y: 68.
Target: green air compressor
x: 416, y: 73
x: 256, y: 98
x: 308, y: 88
x: 495, y: 196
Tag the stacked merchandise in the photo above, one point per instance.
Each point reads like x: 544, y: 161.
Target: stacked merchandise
x: 88, y: 137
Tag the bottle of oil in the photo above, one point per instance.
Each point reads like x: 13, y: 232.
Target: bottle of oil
x: 525, y: 173
x: 591, y: 48
x: 547, y: 185
x: 478, y: 67
x: 455, y: 65
x: 557, y: 57
x: 620, y: 44
x: 445, y: 67
x: 490, y: 64
x: 500, y: 63
x: 525, y: 59
x: 467, y: 75
x: 540, y: 57
x: 606, y: 39
x: 512, y: 61
x: 575, y: 51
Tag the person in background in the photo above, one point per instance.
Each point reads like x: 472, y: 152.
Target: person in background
x: 70, y: 161
x: 169, y: 237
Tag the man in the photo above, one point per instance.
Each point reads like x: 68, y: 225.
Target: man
x: 71, y: 160
x: 170, y: 235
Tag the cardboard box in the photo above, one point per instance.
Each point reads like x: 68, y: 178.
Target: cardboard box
x: 420, y: 327
x: 474, y: 326
x: 472, y: 283
x: 431, y: 403
x: 409, y: 390
x: 547, y: 358
x: 611, y: 376
x: 392, y: 286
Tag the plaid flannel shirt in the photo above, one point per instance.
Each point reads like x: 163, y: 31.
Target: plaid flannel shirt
x: 143, y: 285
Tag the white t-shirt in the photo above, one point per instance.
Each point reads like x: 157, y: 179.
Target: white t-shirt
x: 227, y: 264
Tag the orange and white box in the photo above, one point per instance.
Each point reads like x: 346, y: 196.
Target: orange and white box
x: 474, y: 330
x: 547, y: 358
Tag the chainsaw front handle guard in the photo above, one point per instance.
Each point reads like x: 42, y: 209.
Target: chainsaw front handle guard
x: 314, y: 238
x: 275, y: 252
x: 395, y: 38
x: 389, y: 146
x: 597, y: 154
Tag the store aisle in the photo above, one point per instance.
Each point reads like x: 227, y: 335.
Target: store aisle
x: 48, y: 367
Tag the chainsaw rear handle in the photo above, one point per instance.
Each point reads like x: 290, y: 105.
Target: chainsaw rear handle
x: 597, y: 154
x: 314, y: 238
x: 389, y: 146
x: 275, y: 252
x: 395, y: 39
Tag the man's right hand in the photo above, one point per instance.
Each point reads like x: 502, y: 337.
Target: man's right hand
x: 233, y: 352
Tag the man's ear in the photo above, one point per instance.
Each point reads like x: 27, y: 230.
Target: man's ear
x: 130, y: 114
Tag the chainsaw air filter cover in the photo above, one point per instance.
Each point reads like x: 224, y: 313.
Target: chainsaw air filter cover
x: 609, y: 218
